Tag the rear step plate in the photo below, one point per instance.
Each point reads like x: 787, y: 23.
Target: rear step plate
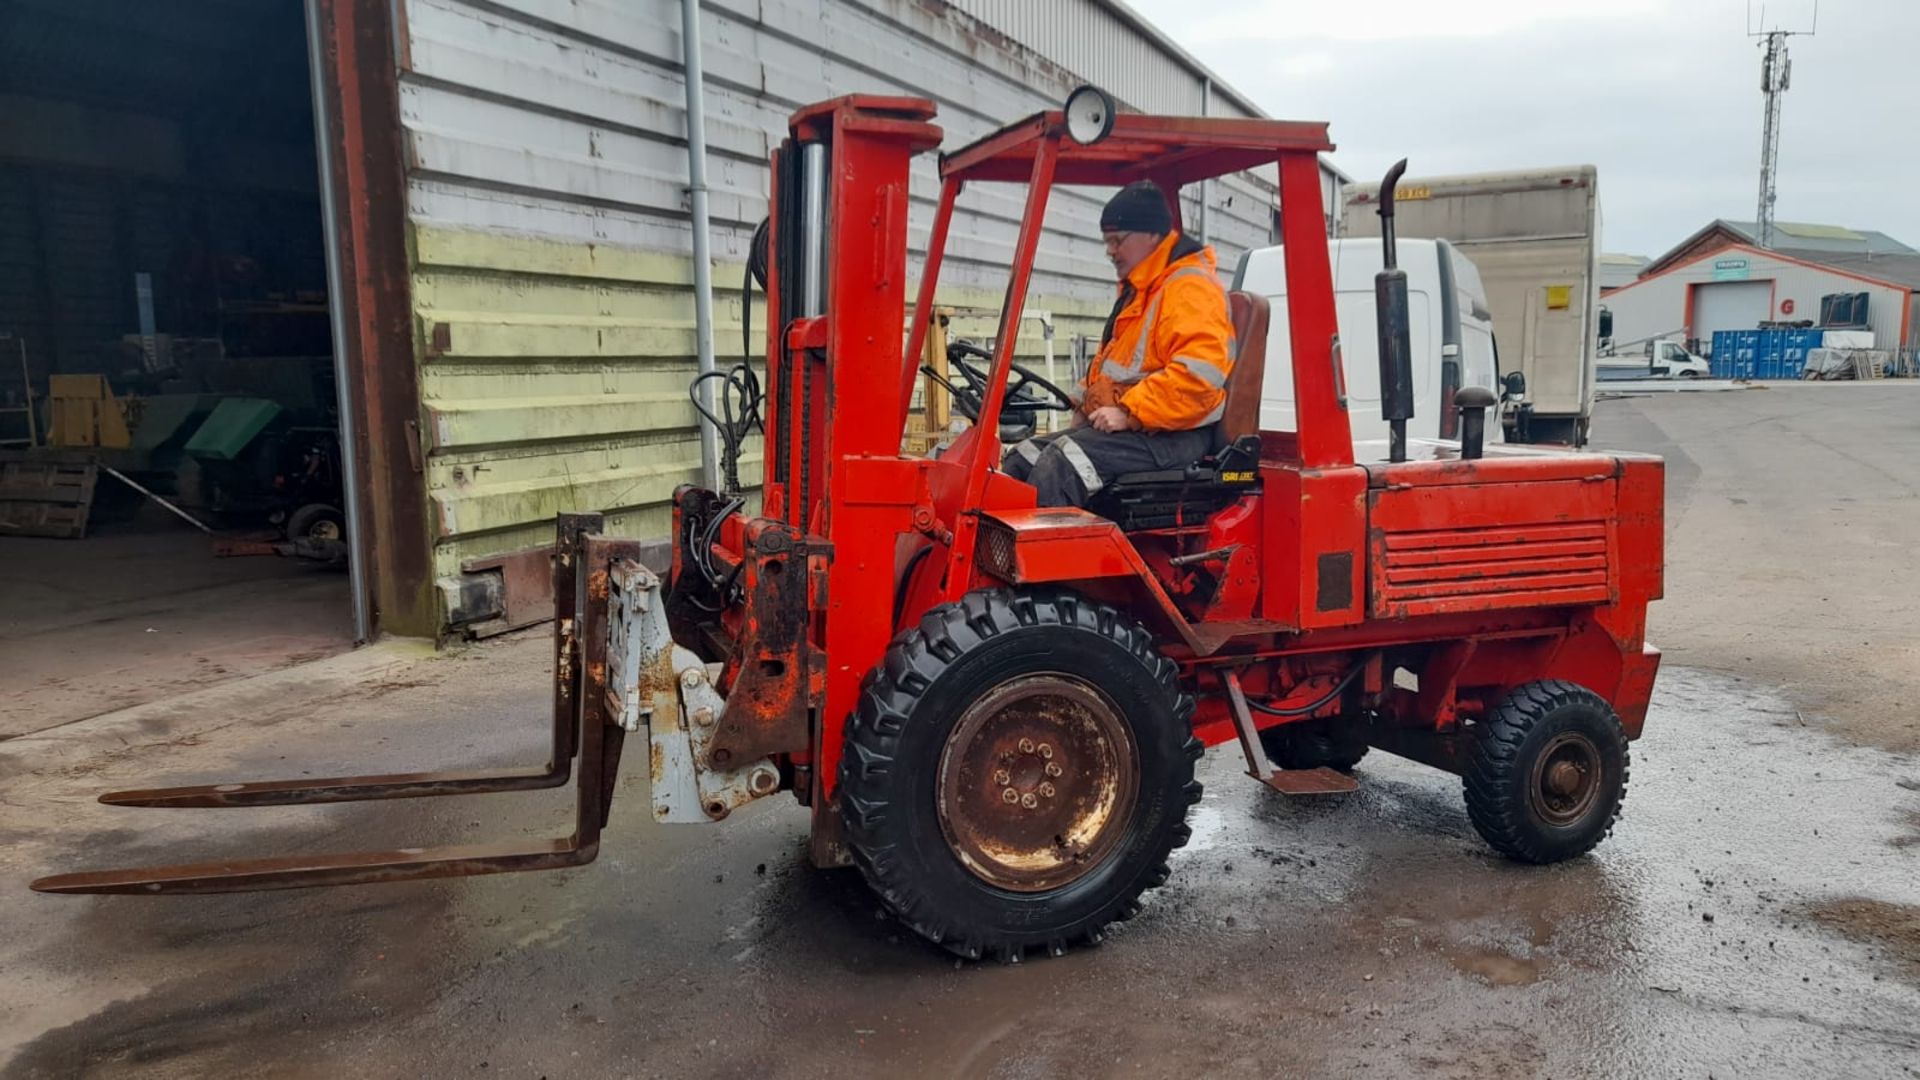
x: 1321, y: 781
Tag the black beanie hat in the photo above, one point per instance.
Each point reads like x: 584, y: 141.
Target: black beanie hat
x: 1138, y: 207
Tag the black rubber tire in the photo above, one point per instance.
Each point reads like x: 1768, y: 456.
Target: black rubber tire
x: 1500, y: 764
x: 908, y: 708
x: 1313, y: 745
x: 302, y: 522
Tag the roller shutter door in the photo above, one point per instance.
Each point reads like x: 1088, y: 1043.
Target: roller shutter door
x: 1730, y: 305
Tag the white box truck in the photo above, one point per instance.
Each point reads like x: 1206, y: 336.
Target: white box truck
x: 1535, y: 237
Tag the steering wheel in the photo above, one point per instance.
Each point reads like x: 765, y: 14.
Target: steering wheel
x: 1027, y: 393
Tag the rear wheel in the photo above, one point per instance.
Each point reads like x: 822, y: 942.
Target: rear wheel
x: 1017, y: 771
x: 1547, y: 772
x: 317, y: 522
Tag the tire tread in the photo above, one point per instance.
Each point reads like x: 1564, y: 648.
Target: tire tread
x: 912, y: 666
x: 1496, y: 754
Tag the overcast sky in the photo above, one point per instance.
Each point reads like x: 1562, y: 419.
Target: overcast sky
x: 1662, y: 95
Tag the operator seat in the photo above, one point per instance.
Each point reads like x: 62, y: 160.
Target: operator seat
x: 1241, y: 418
x: 1166, y: 497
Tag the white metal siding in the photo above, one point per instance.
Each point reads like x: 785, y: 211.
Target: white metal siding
x: 1089, y: 39
x: 1650, y: 308
x: 1094, y: 42
x: 1657, y: 306
x: 546, y: 174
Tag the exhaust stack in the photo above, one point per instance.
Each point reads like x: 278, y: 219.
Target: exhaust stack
x: 1396, y: 342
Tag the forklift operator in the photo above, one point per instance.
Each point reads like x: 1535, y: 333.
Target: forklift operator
x: 1154, y: 394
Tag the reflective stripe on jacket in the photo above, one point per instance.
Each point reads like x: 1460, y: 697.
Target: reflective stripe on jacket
x: 1169, y: 346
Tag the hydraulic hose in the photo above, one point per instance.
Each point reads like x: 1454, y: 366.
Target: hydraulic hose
x: 1307, y: 710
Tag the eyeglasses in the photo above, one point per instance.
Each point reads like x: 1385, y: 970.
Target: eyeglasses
x: 1113, y: 240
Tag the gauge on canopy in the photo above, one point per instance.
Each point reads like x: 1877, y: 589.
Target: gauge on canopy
x: 1089, y: 115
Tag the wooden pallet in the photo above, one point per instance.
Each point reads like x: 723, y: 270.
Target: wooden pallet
x: 46, y: 493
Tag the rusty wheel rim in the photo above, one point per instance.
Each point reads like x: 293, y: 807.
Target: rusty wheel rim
x: 1566, y: 779
x: 1037, y: 783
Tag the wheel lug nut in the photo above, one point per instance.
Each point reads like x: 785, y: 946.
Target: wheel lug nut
x: 1046, y: 790
x: 1028, y: 800
x: 1046, y: 751
x: 1002, y: 776
x: 1010, y: 796
x: 1052, y: 769
x: 1026, y: 746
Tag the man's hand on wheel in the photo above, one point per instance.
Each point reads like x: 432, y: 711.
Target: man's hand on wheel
x: 1112, y: 418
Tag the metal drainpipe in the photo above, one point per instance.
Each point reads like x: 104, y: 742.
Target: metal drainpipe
x: 702, y: 266
x: 1206, y: 186
x: 344, y: 397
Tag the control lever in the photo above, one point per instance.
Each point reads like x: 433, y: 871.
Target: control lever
x: 1473, y: 403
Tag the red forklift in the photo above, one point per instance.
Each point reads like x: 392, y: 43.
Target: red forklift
x: 993, y: 709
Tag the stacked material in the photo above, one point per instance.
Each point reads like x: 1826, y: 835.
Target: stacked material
x: 1830, y: 364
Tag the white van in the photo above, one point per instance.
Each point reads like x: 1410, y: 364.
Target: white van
x: 1451, y: 329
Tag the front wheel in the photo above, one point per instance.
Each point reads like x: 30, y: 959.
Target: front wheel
x: 1547, y: 772
x: 1017, y: 772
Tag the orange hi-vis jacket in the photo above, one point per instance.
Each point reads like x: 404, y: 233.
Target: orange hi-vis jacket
x: 1169, y: 344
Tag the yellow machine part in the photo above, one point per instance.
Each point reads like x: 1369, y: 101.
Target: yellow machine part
x: 85, y: 413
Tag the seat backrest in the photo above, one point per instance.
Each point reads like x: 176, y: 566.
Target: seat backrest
x: 1242, y: 413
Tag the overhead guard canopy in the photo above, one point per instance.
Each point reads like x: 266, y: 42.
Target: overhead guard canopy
x: 1171, y: 150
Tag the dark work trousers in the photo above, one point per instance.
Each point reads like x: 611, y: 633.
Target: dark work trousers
x: 1068, y: 467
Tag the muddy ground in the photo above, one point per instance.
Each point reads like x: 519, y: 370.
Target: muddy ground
x: 1753, y: 915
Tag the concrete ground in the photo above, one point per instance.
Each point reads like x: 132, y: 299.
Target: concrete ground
x: 1756, y: 913
x: 140, y: 610
x: 1793, y: 523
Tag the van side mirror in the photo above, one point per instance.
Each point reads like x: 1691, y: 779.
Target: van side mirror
x: 1515, y: 385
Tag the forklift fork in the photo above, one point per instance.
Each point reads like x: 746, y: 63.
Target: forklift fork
x: 581, y: 729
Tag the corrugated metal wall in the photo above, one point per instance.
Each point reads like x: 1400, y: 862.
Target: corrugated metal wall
x: 1657, y: 305
x: 546, y: 168
x: 1094, y: 42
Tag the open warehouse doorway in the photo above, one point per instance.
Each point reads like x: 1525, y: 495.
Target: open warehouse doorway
x: 164, y: 325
